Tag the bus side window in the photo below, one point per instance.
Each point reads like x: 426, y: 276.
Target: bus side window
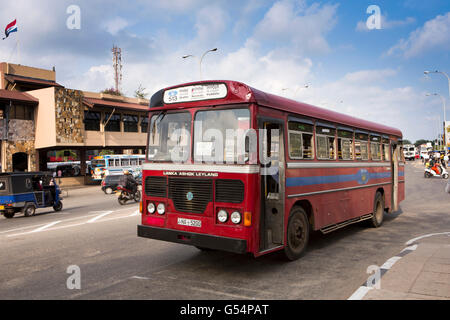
x: 326, y: 142
x: 361, y: 146
x: 345, y: 144
x: 375, y: 151
x: 345, y: 150
x: 386, y: 152
x: 300, y: 140
x: 322, y: 147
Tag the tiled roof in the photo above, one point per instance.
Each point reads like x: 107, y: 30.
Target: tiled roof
x: 28, y: 80
x: 17, y: 96
x: 91, y: 102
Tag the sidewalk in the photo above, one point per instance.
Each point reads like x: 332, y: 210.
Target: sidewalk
x: 420, y: 273
x: 79, y: 190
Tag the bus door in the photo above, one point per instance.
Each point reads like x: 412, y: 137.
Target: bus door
x: 395, y: 155
x: 272, y: 183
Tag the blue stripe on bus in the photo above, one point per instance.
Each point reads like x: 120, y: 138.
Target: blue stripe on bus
x: 362, y: 177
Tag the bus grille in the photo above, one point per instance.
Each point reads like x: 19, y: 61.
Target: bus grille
x: 190, y: 195
x: 156, y: 186
x: 229, y: 191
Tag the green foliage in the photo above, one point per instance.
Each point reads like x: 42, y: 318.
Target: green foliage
x: 112, y: 91
x: 421, y: 141
x: 140, y: 92
x: 105, y: 152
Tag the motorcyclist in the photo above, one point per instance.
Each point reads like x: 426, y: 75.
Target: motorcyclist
x: 131, y: 183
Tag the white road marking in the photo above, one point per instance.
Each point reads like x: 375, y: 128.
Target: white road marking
x: 46, y: 226
x: 425, y: 236
x: 412, y: 248
x: 105, y: 213
x: 72, y: 225
x: 136, y: 213
x: 360, y: 293
x: 140, y: 278
x: 388, y: 264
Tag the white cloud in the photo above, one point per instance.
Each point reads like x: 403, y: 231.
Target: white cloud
x: 211, y: 23
x: 293, y: 24
x: 435, y: 34
x: 115, y: 25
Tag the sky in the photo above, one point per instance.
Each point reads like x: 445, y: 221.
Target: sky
x: 325, y: 53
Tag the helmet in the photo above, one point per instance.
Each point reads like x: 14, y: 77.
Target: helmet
x: 126, y: 172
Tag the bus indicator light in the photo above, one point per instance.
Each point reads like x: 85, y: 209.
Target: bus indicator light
x: 247, y: 219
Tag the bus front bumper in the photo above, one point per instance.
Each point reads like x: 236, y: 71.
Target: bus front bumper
x: 194, y: 239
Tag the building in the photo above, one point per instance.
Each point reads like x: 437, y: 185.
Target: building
x: 43, y: 122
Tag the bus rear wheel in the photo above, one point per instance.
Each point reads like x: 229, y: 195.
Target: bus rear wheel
x: 297, y: 234
x: 378, y: 211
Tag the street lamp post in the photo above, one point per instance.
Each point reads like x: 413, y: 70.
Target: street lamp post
x: 443, y: 104
x: 200, y: 60
x: 448, y: 80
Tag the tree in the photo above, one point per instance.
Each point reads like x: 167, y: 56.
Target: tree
x: 420, y: 142
x: 140, y: 92
x: 406, y: 141
x: 112, y: 91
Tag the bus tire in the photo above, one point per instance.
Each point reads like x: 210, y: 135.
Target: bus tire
x: 378, y: 211
x: 297, y: 236
x: 29, y: 210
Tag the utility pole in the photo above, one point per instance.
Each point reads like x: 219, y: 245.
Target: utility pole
x: 117, y: 65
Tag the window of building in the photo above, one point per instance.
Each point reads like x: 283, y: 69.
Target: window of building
x: 300, y: 140
x: 345, y: 144
x: 21, y: 112
x: 326, y: 142
x: 144, y: 124
x: 375, y: 148
x: 130, y: 123
x: 113, y: 123
x: 361, y: 146
x: 92, y: 120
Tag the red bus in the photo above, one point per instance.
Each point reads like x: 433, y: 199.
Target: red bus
x: 330, y: 170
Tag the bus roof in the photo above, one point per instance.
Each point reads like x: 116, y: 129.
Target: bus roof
x: 238, y: 92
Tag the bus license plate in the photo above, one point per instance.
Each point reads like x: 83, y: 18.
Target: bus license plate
x: 190, y: 222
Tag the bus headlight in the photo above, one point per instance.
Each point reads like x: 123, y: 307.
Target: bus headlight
x: 151, y: 208
x: 222, y: 216
x: 236, y: 217
x: 161, y: 208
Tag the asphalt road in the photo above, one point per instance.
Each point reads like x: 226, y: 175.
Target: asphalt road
x: 98, y: 235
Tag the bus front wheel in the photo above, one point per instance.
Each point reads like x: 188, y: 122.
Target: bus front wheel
x: 297, y: 234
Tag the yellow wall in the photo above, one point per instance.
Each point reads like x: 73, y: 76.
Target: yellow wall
x: 45, y: 119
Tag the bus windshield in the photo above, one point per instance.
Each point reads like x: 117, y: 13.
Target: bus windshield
x: 98, y: 163
x: 166, y: 132
x: 219, y: 135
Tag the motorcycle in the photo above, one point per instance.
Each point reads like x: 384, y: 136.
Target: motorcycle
x: 124, y: 195
x: 431, y: 173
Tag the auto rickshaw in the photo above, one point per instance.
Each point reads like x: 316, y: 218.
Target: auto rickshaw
x: 27, y: 191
